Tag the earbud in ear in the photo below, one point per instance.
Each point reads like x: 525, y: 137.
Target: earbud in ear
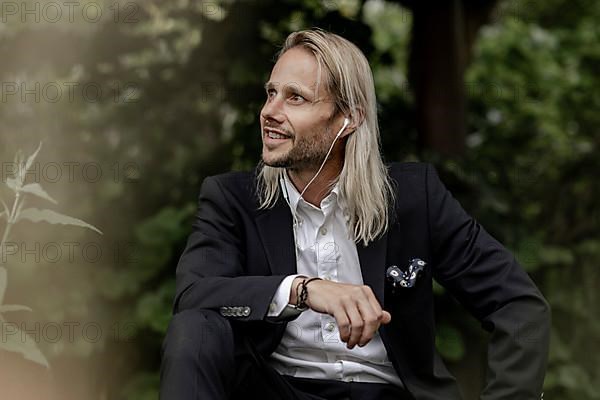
x: 346, y: 122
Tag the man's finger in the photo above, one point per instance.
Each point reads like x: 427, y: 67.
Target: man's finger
x: 375, y: 304
x: 387, y: 317
x: 356, y: 324
x: 371, y: 321
x: 343, y: 323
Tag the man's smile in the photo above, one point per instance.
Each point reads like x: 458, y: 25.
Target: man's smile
x: 274, y: 136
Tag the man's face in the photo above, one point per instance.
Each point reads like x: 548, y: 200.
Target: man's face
x: 294, y: 108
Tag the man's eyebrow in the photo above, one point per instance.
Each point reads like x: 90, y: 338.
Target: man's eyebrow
x: 294, y: 86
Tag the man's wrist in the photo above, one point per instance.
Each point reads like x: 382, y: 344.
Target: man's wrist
x: 293, y: 292
x: 302, y: 293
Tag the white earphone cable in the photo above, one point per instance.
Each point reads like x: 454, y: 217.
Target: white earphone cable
x: 286, y: 196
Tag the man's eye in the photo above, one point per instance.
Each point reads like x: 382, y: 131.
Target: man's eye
x: 297, y: 97
x: 270, y: 92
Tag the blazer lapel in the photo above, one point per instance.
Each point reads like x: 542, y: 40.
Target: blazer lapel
x: 276, y: 233
x: 372, y: 265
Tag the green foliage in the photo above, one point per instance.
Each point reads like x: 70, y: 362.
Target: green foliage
x: 144, y: 386
x: 534, y: 143
x: 153, y: 310
x: 158, y: 241
x: 449, y: 342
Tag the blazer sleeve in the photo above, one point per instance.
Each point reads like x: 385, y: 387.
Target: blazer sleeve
x: 211, y: 272
x: 487, y: 280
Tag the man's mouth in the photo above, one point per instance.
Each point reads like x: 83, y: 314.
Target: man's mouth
x: 275, y: 135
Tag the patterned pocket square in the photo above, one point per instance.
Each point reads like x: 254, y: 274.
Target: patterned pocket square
x: 405, y: 279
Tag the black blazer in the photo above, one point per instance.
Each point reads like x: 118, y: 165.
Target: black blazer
x: 236, y: 257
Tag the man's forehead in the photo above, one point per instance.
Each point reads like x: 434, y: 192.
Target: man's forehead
x: 298, y: 69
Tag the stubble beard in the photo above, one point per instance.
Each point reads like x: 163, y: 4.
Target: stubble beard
x: 306, y: 153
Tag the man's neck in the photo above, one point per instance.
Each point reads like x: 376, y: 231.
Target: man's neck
x: 319, y: 188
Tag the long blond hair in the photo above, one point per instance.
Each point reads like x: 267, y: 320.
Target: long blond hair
x: 364, y: 181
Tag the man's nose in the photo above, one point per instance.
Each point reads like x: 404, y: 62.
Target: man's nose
x: 273, y: 109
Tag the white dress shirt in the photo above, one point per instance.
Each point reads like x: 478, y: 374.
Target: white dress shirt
x: 311, y: 346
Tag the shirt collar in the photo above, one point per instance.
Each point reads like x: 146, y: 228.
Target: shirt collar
x: 294, y: 195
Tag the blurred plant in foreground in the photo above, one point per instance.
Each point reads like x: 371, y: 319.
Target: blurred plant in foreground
x: 16, y: 340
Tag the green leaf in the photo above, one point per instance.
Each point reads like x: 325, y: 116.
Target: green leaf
x: 6, y: 209
x: 18, y: 161
x: 52, y: 217
x: 15, y: 340
x: 12, y: 183
x: 36, y: 189
x: 17, y: 182
x: 13, y: 307
x: 32, y: 157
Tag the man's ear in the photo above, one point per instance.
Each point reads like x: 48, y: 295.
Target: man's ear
x: 357, y: 117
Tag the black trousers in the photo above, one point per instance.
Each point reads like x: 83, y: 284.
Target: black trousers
x: 200, y: 361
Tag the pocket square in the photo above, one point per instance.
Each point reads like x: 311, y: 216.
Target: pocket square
x: 405, y: 279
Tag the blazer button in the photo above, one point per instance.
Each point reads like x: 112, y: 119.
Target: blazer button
x: 246, y: 311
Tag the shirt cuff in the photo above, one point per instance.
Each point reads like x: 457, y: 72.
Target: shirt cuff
x: 282, y: 296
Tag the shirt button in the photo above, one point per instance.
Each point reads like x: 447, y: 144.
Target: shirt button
x: 323, y: 231
x: 330, y: 327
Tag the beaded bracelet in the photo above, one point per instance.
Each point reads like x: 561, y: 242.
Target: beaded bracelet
x: 302, y: 295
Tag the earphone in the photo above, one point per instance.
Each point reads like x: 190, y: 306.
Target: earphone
x: 286, y: 195
x: 346, y: 122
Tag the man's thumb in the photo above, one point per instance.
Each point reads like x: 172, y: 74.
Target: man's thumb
x: 387, y: 317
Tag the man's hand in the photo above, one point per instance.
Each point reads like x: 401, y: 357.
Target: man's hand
x: 355, y: 308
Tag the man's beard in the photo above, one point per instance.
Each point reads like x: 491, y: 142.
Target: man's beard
x: 306, y: 153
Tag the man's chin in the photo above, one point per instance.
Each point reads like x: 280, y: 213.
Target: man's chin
x: 275, y: 163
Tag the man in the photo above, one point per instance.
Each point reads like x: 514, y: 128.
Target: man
x: 250, y: 320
